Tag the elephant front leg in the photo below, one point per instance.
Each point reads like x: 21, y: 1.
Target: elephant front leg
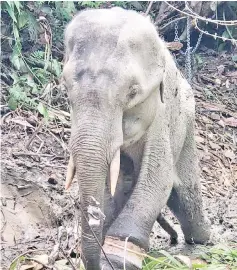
x: 150, y: 195
x: 186, y: 199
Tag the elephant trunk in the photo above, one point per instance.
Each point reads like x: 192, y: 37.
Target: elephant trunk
x: 92, y: 158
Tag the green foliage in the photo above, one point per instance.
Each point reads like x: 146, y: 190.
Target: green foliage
x: 91, y: 4
x: 36, y: 54
x: 164, y: 261
x: 14, y: 264
x: 136, y: 5
x: 65, y: 10
x: 221, y: 255
x: 43, y: 110
x: 20, y: 93
x: 16, y: 55
x: 216, y: 258
x: 32, y: 72
x: 229, y: 32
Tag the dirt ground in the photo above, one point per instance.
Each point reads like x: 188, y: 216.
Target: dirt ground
x: 37, y: 215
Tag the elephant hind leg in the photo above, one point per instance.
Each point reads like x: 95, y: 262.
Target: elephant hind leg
x: 167, y: 227
x: 186, y: 198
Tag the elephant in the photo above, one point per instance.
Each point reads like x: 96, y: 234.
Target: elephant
x: 132, y: 137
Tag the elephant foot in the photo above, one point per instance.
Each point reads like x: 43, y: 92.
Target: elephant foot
x: 199, y: 235
x: 122, y: 255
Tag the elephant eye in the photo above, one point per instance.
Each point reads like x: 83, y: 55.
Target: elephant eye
x: 133, y: 92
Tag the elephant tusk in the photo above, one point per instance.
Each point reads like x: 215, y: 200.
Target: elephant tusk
x: 114, y: 171
x: 71, y: 170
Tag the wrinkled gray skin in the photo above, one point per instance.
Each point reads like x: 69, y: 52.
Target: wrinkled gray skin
x: 126, y: 92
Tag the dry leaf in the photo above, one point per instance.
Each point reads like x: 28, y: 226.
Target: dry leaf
x: 60, y: 130
x: 199, y: 139
x: 206, y: 120
x: 214, y: 145
x: 213, y: 107
x: 232, y: 74
x: 174, y: 46
x: 215, y: 116
x: 20, y: 121
x: 231, y: 121
x: 31, y: 266
x: 44, y: 258
x: 229, y: 154
x: 221, y: 123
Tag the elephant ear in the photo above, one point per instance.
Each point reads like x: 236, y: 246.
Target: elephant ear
x: 168, y: 83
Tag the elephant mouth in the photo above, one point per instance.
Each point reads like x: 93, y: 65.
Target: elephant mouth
x: 123, y: 253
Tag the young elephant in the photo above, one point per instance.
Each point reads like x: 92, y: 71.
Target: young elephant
x: 129, y: 98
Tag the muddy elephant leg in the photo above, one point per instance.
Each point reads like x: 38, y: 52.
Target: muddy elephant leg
x: 150, y: 193
x: 186, y: 199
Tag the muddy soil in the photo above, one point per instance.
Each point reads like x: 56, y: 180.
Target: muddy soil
x: 36, y: 210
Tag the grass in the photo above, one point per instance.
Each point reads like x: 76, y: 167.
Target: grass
x: 219, y: 257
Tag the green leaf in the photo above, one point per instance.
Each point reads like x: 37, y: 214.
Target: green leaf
x: 33, y: 26
x: 56, y: 66
x: 225, y: 34
x: 16, y: 32
x: 198, y: 266
x: 70, y: 7
x: 92, y: 4
x: 42, y: 110
x: 12, y: 104
x: 14, y: 264
x: 15, y: 57
x: 18, y: 6
x: 171, y: 258
x: 22, y: 19
x: 10, y: 10
x: 199, y: 59
x: 221, y: 47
